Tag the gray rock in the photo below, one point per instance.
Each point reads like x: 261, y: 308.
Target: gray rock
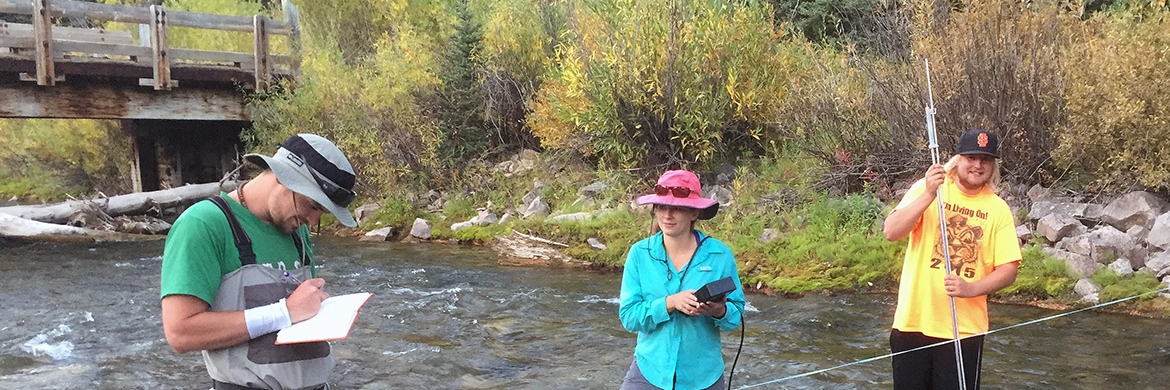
x: 1038, y: 193
x: 1139, y: 233
x: 1081, y: 245
x: 1122, y: 267
x: 599, y: 246
x: 593, y: 190
x: 1023, y: 233
x: 1086, y: 287
x: 1092, y: 298
x: 1159, y: 234
x: 1135, y: 208
x: 422, y: 229
x: 505, y: 219
x: 532, y: 194
x: 485, y: 217
x: 1055, y: 227
x: 1159, y: 264
x: 769, y: 235
x: 1079, y: 265
x: 536, y: 207
x: 527, y: 154
x: 720, y: 194
x: 1087, y: 213
x: 378, y: 235
x: 461, y: 225
x: 365, y: 211
x: 1109, y: 244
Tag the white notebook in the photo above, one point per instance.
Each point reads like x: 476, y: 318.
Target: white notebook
x: 332, y: 322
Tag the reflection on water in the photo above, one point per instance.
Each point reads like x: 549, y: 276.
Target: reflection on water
x: 447, y: 317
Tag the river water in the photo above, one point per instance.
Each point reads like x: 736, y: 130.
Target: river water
x: 86, y: 316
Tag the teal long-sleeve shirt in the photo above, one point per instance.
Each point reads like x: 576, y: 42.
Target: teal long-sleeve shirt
x: 676, y: 351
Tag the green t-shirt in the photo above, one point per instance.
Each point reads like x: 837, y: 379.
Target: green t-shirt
x: 200, y: 249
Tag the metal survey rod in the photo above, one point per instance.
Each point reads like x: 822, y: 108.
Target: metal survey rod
x: 932, y: 137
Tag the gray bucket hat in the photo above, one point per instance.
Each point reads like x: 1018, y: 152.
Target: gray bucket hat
x: 314, y: 167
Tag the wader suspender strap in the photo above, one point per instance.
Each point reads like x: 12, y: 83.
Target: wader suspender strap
x: 243, y: 243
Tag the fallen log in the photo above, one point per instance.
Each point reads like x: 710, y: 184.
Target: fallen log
x: 129, y: 204
x: 29, y: 230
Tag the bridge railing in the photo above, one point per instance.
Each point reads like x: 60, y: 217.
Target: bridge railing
x: 48, y: 44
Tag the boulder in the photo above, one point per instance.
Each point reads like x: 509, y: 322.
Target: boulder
x: 595, y: 244
x: 1109, y: 244
x: 421, y: 229
x: 720, y: 194
x: 1055, y: 227
x: 1121, y: 267
x: 365, y: 211
x: 485, y: 217
x: 1159, y: 264
x: 1081, y: 266
x: 1086, y: 287
x: 378, y: 235
x: 536, y: 207
x: 768, y: 235
x: 1087, y: 213
x: 1159, y: 234
x: 1135, y: 208
x: 594, y: 190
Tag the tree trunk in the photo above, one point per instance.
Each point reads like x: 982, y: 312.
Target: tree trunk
x: 47, y: 222
x: 129, y: 204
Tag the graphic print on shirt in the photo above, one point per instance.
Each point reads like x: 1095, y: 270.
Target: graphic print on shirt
x: 963, y: 240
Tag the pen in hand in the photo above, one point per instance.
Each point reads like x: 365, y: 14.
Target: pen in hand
x: 291, y: 277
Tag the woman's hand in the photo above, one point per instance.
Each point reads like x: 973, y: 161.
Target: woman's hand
x: 716, y: 309
x: 684, y: 302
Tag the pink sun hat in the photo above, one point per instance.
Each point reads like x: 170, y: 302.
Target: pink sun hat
x: 681, y: 188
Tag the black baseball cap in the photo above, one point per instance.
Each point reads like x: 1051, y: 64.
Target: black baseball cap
x: 977, y: 141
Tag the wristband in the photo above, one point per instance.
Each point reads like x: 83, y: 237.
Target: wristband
x: 267, y: 319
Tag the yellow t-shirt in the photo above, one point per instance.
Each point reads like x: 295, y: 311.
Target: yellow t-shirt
x: 982, y: 236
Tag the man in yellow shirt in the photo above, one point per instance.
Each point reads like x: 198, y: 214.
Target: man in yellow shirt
x: 985, y: 256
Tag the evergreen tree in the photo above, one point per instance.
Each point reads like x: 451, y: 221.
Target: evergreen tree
x: 461, y: 117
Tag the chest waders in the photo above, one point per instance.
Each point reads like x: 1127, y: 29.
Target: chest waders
x: 259, y: 363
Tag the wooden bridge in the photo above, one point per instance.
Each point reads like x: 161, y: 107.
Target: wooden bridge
x: 183, y: 107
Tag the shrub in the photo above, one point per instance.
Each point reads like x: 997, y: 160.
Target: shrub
x: 1117, y: 88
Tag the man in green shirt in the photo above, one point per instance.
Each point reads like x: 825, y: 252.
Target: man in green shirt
x: 233, y: 268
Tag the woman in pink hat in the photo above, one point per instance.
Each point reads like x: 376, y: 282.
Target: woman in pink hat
x: 678, y: 336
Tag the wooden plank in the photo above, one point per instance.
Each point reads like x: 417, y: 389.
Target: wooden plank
x: 16, y: 29
x: 43, y: 27
x: 68, y: 33
x: 159, y: 45
x: 140, y: 15
x: 99, y: 11
x: 78, y: 100
x: 24, y: 43
x: 23, y: 7
x: 92, y: 35
x: 223, y: 22
x: 260, y: 46
x: 132, y: 51
x: 214, y: 57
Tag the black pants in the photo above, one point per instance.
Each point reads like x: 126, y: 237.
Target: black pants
x: 934, y: 368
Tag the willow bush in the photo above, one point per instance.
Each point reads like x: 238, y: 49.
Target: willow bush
x: 377, y: 103
x: 630, y: 88
x: 50, y: 159
x: 1118, y: 83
